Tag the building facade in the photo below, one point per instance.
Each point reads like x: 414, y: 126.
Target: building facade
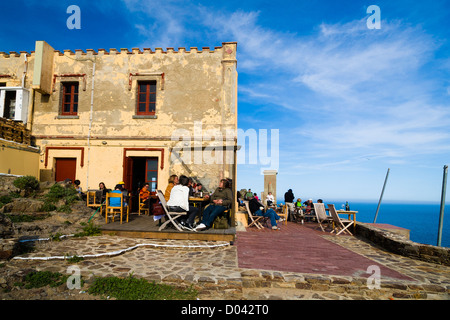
x: 126, y: 115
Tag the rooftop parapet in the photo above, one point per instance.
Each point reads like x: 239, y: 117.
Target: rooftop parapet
x: 135, y: 50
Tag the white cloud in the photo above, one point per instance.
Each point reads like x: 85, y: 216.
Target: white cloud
x: 369, y: 86
x: 362, y: 94
x: 161, y: 23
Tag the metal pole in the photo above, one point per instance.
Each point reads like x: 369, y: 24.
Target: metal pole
x: 441, y: 214
x: 381, y: 196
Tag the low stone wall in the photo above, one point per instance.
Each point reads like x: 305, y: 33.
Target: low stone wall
x: 273, y: 285
x: 399, y: 244
x: 6, y: 184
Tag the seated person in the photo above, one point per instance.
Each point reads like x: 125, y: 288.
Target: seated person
x: 270, y: 199
x: 179, y: 202
x: 123, y: 189
x: 191, y: 187
x: 79, y: 190
x: 115, y: 202
x: 309, y: 206
x: 101, y: 194
x: 144, y: 195
x: 221, y: 199
x: 173, y: 180
x: 199, y: 189
x: 255, y: 208
x: 239, y: 200
x: 298, y: 203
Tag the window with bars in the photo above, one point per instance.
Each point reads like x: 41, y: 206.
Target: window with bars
x: 146, y: 99
x: 69, y: 105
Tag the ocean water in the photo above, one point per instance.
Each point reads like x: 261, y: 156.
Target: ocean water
x: 421, y: 219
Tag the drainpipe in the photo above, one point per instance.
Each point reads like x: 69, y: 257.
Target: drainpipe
x: 90, y: 126
x: 24, y: 71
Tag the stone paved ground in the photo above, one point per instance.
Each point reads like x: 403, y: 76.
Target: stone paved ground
x: 294, y: 263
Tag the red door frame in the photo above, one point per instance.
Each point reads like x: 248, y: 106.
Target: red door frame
x: 127, y: 166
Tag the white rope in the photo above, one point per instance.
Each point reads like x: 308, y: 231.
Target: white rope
x: 118, y: 252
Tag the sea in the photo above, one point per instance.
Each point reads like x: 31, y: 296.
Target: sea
x: 422, y: 219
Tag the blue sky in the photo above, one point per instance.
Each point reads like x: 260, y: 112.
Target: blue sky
x: 349, y: 102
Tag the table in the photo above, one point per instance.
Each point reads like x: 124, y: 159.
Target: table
x: 200, y: 202
x: 349, y: 213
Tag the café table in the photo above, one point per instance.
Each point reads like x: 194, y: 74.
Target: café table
x: 349, y: 213
x: 201, y: 202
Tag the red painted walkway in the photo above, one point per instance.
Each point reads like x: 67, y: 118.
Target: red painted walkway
x: 300, y: 248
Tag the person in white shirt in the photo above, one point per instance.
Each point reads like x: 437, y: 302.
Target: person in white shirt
x: 179, y: 202
x: 270, y: 200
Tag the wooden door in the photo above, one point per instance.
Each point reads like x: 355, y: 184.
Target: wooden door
x: 65, y: 168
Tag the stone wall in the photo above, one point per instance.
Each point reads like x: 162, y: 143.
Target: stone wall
x: 6, y: 184
x: 399, y: 244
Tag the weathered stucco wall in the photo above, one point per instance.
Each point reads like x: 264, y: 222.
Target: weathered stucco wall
x: 18, y: 159
x: 195, y: 89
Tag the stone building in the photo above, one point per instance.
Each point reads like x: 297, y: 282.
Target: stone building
x: 132, y: 115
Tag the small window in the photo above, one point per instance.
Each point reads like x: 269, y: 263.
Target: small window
x: 146, y: 99
x: 69, y: 105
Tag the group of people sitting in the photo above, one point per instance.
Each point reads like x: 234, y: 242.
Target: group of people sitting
x: 177, y: 194
x: 257, y: 208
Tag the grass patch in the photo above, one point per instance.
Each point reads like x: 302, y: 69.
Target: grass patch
x: 39, y: 279
x: 89, y: 230
x: 74, y: 259
x: 131, y: 288
x: 16, y: 218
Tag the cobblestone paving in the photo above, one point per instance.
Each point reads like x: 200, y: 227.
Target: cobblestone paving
x: 213, y: 268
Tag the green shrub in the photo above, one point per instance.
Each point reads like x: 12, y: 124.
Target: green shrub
x: 131, y: 288
x: 47, y: 207
x: 26, y: 183
x: 58, y: 192
x: 89, y: 230
x: 65, y: 208
x: 38, y: 279
x: 4, y: 200
x: 16, y: 218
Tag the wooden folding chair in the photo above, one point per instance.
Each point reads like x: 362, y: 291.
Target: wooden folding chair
x: 339, y: 223
x: 113, y: 210
x: 255, y: 220
x: 321, y: 215
x: 171, y: 215
x: 284, y: 213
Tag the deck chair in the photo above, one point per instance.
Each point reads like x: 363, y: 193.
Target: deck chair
x: 255, y: 220
x: 339, y: 223
x: 110, y: 211
x: 321, y: 215
x: 170, y: 214
x: 284, y: 213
